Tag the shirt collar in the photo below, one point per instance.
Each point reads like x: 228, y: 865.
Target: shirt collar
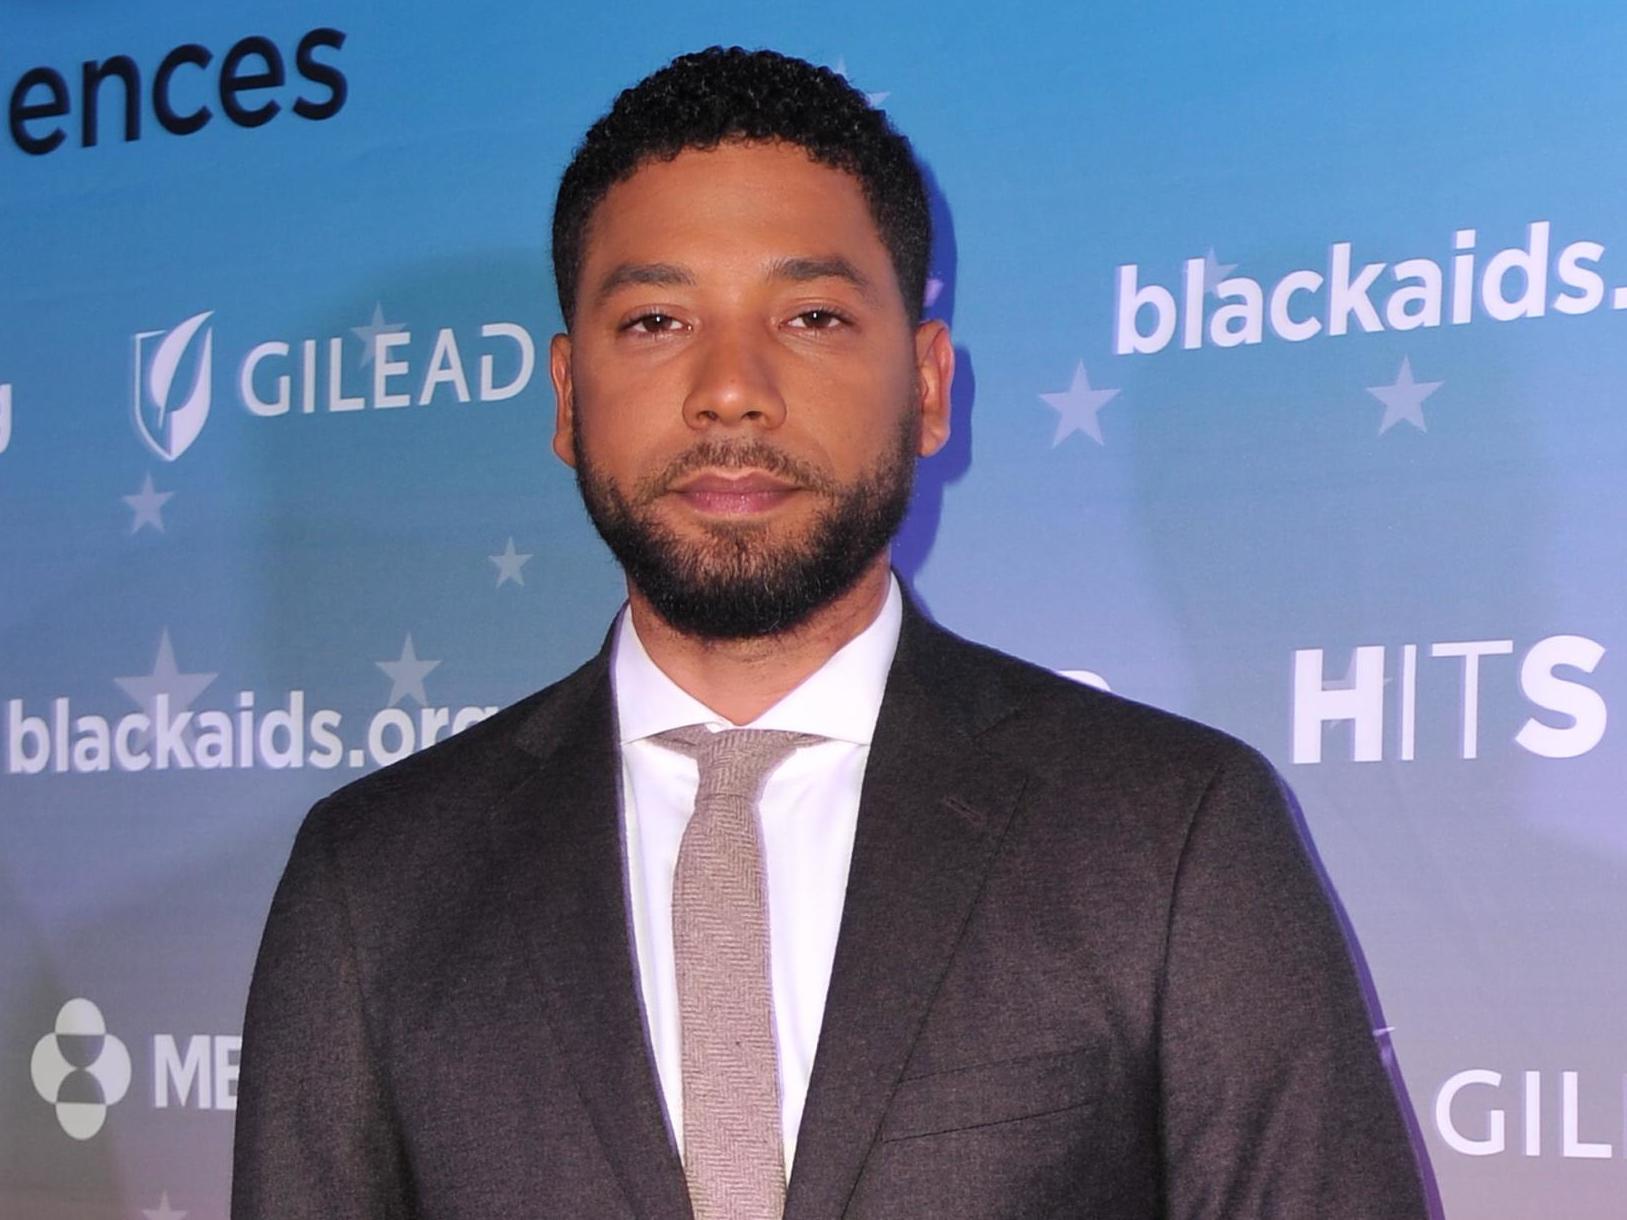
x: 840, y: 700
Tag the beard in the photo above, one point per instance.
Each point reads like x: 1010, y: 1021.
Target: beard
x: 739, y: 580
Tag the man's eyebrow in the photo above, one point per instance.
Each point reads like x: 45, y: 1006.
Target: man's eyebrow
x: 659, y: 274
x: 801, y: 270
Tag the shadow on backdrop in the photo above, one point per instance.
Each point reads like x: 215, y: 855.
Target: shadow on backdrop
x: 1375, y: 1012
x: 936, y: 474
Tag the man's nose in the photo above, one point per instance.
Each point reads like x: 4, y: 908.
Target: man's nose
x: 734, y: 382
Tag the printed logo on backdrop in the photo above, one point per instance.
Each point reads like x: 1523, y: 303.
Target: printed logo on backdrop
x: 168, y: 419
x: 58, y: 736
x: 1473, y: 1107
x: 377, y: 366
x: 252, y: 82
x: 5, y: 416
x: 1380, y: 689
x: 80, y: 1069
x: 1211, y: 305
x: 1303, y: 304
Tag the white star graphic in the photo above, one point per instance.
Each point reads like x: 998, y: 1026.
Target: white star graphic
x: 1214, y: 271
x: 378, y: 326
x: 509, y: 564
x: 1347, y: 682
x: 407, y: 675
x: 1404, y: 400
x: 875, y: 99
x: 165, y: 679
x: 163, y: 1211
x: 148, y: 506
x: 1076, y: 408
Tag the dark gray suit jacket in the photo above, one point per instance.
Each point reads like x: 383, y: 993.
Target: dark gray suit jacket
x: 1085, y: 969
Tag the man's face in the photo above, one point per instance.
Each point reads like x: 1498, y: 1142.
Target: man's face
x: 742, y: 393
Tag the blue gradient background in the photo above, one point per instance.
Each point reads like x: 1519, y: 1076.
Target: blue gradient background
x: 1243, y: 504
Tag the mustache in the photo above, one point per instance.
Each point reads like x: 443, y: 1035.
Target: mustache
x: 732, y: 455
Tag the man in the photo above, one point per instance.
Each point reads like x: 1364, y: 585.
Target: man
x: 938, y: 935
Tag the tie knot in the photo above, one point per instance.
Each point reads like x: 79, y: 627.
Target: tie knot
x: 734, y: 762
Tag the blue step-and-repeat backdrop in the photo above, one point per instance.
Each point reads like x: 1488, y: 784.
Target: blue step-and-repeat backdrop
x: 1291, y: 398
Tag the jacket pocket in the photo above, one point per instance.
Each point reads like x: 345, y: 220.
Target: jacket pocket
x: 989, y: 1093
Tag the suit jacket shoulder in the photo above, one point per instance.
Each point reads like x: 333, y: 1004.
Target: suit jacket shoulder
x: 1154, y: 927
x: 445, y: 789
x: 443, y: 931
x: 1065, y: 732
x: 486, y: 754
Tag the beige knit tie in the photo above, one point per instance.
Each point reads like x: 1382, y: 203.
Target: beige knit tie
x: 734, y: 1154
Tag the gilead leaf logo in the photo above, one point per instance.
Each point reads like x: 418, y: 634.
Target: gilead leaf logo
x: 169, y: 420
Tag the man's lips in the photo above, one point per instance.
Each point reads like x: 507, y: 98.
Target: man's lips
x: 750, y: 492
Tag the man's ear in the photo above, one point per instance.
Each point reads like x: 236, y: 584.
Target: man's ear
x: 559, y: 372
x: 934, y: 374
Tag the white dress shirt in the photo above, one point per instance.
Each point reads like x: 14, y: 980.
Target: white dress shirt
x: 809, y: 811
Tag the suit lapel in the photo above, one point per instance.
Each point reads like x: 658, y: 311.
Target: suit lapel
x: 558, y: 840
x: 931, y: 816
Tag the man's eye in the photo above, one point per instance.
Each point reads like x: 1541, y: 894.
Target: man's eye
x: 818, y: 319
x: 653, y: 324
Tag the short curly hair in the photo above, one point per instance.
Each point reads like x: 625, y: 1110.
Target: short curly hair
x: 700, y: 100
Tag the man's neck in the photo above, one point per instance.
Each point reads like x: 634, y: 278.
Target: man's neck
x: 742, y: 679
